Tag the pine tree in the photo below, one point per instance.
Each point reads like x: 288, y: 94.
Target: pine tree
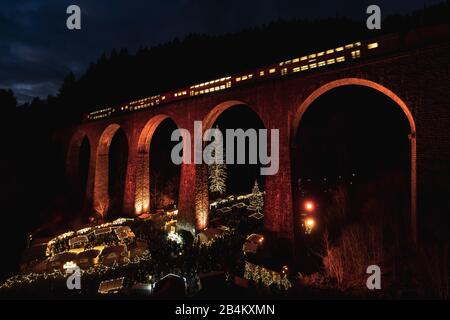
x: 217, y: 172
x: 257, y: 199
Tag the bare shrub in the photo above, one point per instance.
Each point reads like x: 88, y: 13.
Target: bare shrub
x: 358, y: 247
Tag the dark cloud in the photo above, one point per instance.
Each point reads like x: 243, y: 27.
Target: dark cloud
x: 37, y: 50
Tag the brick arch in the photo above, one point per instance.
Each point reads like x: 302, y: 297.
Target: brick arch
x: 201, y: 171
x: 77, y: 179
x: 382, y: 89
x: 73, y: 153
x: 214, y: 114
x: 101, y: 179
x: 142, y: 173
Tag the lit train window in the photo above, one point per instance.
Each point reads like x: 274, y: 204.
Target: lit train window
x: 297, y: 69
x: 304, y: 68
x: 321, y: 63
x: 340, y: 59
x: 296, y: 60
x: 312, y: 65
x: 356, y: 54
x: 349, y: 46
x: 283, y: 71
x: 272, y: 70
x: 303, y: 58
x: 339, y: 49
x: 330, y: 51
x: 320, y: 54
x: 261, y: 73
x: 372, y: 45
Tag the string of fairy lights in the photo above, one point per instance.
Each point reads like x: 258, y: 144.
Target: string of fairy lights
x: 58, y: 274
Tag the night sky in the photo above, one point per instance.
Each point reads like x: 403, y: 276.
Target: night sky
x: 37, y: 50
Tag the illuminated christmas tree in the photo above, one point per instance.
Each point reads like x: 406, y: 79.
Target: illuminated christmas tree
x: 257, y: 199
x: 217, y: 172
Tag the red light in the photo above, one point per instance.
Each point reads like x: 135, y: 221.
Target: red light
x: 309, y: 206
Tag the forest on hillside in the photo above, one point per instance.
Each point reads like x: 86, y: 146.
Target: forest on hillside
x: 119, y: 76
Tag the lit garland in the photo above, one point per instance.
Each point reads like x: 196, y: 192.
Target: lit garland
x: 51, y: 245
x: 58, y: 274
x: 267, y: 277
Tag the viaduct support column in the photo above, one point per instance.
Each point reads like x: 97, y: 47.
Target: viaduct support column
x: 193, y: 199
x: 130, y: 181
x: 278, y: 212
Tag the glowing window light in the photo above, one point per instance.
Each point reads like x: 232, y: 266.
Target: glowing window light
x: 356, y: 54
x: 320, y: 54
x: 70, y: 265
x: 296, y: 60
x: 372, y: 45
x: 330, y: 51
x: 349, y: 46
x: 238, y: 79
x: 261, y: 73
x: 340, y: 59
x: 272, y: 70
x: 303, y: 68
x: 357, y: 44
x: 297, y: 69
x: 339, y: 49
x: 303, y: 58
x: 313, y: 65
x: 321, y: 63
x: 284, y: 71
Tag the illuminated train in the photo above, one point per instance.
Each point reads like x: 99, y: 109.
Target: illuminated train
x: 307, y: 63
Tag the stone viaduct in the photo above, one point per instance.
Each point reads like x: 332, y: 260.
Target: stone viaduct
x: 414, y: 75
